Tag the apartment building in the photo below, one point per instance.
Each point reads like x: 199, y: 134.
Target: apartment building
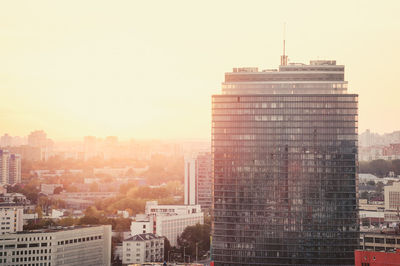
x: 89, y: 245
x: 143, y: 248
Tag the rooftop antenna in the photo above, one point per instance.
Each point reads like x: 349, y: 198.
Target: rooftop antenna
x: 284, y: 57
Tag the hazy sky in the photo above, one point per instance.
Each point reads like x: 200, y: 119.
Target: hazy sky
x: 147, y: 69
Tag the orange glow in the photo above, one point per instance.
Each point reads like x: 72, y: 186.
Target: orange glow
x: 147, y: 69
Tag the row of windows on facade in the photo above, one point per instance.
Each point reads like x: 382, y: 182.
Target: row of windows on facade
x: 285, y: 111
x: 286, y: 98
x: 288, y: 130
x: 287, y: 137
x: 78, y: 240
x: 283, y: 106
x: 285, y: 118
x: 345, y: 146
x: 285, y: 124
x: 289, y: 86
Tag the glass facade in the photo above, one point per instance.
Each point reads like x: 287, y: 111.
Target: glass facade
x: 285, y: 179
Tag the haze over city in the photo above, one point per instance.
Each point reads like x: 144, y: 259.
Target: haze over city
x: 148, y: 69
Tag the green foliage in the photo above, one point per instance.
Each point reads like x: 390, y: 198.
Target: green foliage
x: 164, y: 168
x: 364, y: 195
x: 86, y: 220
x: 200, y: 234
x: 379, y: 188
x: 58, y: 190
x: 39, y: 224
x: 380, y: 168
x: 167, y: 248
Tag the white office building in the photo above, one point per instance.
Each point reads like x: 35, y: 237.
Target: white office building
x: 167, y: 220
x: 64, y: 246
x: 143, y: 248
x: 11, y: 218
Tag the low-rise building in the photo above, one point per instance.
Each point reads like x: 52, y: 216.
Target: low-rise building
x: 143, y: 248
x: 11, y: 218
x: 367, y: 257
x: 392, y: 202
x: 167, y: 220
x: 380, y: 240
x: 14, y: 198
x: 88, y: 245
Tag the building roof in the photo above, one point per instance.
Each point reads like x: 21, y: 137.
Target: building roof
x: 143, y: 237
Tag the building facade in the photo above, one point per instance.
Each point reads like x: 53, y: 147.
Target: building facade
x: 198, y: 181
x: 143, y: 248
x: 380, y: 241
x: 167, y: 220
x: 284, y: 149
x: 11, y: 218
x: 72, y: 246
x: 392, y: 202
x: 376, y: 258
x: 10, y: 168
x: 14, y: 176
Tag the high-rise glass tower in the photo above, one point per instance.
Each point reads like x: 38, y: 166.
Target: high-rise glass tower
x: 284, y: 153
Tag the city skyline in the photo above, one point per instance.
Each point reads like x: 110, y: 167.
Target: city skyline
x: 128, y: 70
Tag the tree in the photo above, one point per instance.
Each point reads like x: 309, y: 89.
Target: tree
x: 57, y: 190
x: 379, y: 187
x: 364, y: 195
x: 89, y: 220
x: 199, y: 235
x: 167, y: 248
x: 39, y: 211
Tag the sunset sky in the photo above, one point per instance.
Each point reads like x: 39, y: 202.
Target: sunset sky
x: 147, y: 69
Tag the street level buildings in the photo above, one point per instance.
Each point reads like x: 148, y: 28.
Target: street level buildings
x: 284, y: 149
x: 64, y: 246
x: 143, y: 248
x: 167, y: 220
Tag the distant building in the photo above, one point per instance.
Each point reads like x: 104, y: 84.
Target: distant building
x: 198, y: 180
x: 10, y: 168
x: 78, y: 246
x: 143, y: 248
x: 90, y: 148
x: 14, y: 198
x: 82, y: 200
x: 392, y: 202
x: 367, y: 258
x: 27, y: 153
x: 15, y: 169
x: 39, y: 139
x: 167, y: 220
x: 11, y: 218
x: 48, y: 189
x: 6, y: 140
